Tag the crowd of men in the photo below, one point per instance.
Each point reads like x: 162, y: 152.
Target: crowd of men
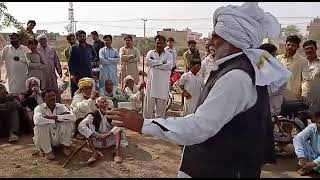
x: 32, y: 95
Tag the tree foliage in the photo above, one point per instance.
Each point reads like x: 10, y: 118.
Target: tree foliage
x: 182, y: 51
x: 144, y: 45
x: 291, y: 30
x: 6, y: 19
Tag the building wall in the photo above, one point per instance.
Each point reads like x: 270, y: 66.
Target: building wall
x: 180, y: 37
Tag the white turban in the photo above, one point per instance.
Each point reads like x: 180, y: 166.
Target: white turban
x: 42, y: 36
x: 28, y: 81
x: 245, y: 27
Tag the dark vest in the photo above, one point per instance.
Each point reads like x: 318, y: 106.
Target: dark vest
x: 245, y: 141
x: 97, y: 119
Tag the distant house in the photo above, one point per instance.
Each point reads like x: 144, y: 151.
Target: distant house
x: 313, y: 29
x: 181, y: 37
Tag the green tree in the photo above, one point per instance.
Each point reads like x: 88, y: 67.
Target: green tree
x: 182, y: 51
x: 6, y: 19
x: 290, y: 30
x: 144, y: 45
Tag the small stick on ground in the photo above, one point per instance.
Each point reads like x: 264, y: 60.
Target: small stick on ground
x: 74, y: 153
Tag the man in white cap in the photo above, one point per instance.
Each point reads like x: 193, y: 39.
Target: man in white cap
x: 230, y: 133
x: 53, y: 64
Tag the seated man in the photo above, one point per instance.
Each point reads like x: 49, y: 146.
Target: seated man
x: 9, y: 113
x: 113, y: 93
x: 53, y: 125
x: 133, y: 92
x: 83, y: 101
x: 32, y: 97
x: 307, y: 144
x: 99, y: 131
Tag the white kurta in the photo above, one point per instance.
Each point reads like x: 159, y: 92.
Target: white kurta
x: 174, y: 54
x: 192, y: 84
x: 159, y: 74
x: 207, y: 65
x: 87, y: 128
x: 235, y: 89
x: 47, y: 132
x: 16, y: 70
x: 134, y: 96
x: 81, y: 106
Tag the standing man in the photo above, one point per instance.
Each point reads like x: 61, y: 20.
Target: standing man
x: 310, y: 50
x: 81, y: 56
x: 71, y: 38
x: 219, y: 139
x: 13, y: 56
x: 160, y: 63
x: 129, y: 58
x: 191, y: 53
x: 52, y: 62
x: 27, y: 34
x: 170, y: 47
x: 298, y: 85
x: 109, y: 59
x: 97, y: 45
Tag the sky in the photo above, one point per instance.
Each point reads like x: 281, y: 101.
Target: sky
x: 53, y: 16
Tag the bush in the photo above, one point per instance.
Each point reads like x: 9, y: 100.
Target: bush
x: 181, y: 51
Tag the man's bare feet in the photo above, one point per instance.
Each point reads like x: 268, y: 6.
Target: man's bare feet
x: 50, y: 156
x: 93, y: 158
x: 117, y: 159
x: 66, y: 150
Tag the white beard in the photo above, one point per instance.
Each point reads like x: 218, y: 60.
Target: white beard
x: 222, y: 51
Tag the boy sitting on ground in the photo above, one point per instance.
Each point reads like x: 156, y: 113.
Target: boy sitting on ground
x: 307, y: 144
x: 99, y: 132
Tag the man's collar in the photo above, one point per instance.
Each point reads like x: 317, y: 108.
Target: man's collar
x: 224, y: 59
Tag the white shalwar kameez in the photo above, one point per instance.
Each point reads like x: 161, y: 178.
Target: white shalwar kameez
x: 81, y: 106
x: 134, y: 96
x: 47, y: 132
x: 192, y: 84
x: 87, y: 128
x: 16, y: 75
x: 157, y: 86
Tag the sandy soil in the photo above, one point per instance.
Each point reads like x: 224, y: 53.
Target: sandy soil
x: 145, y: 156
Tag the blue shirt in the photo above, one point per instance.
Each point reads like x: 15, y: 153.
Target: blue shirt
x: 80, y: 61
x: 109, y: 59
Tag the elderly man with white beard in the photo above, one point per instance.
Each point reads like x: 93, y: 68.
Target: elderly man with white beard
x: 230, y: 133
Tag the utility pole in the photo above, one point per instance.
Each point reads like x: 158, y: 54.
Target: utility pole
x: 144, y: 36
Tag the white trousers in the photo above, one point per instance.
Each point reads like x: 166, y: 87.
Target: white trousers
x: 49, y: 135
x: 154, y: 107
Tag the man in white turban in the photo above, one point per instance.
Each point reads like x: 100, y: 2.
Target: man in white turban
x: 230, y: 133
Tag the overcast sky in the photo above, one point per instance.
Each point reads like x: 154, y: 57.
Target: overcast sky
x: 53, y: 16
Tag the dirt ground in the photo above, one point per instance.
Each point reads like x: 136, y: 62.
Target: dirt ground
x: 145, y: 156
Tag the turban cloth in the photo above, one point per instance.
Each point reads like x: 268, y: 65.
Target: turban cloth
x: 245, y: 27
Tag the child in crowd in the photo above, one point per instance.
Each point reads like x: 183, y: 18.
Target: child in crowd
x: 191, y: 84
x: 133, y: 92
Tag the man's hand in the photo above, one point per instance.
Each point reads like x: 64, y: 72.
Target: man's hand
x: 73, y: 79
x: 142, y: 85
x: 52, y: 117
x: 94, y: 95
x: 302, y: 161
x: 60, y: 75
x: 186, y: 94
x: 130, y: 119
x: 309, y: 166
